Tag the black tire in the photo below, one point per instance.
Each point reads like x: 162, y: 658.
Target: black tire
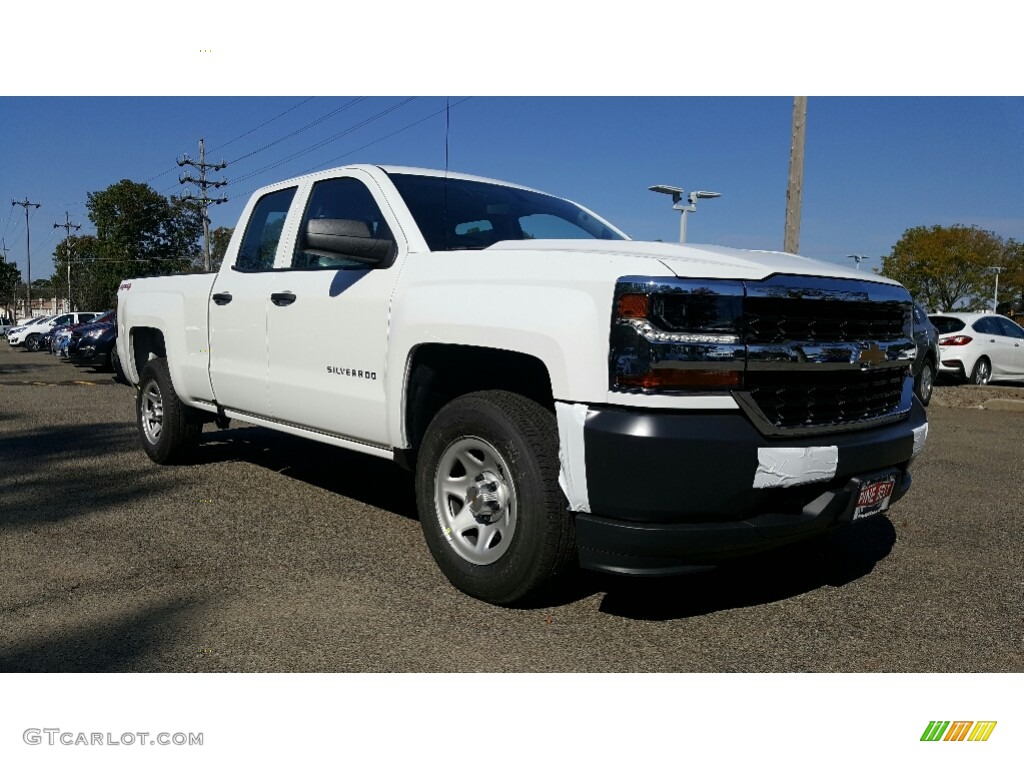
x: 925, y: 382
x: 982, y: 372
x: 32, y: 342
x: 517, y: 494
x: 168, y: 429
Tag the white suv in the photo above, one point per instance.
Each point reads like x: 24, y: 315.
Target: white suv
x: 31, y: 335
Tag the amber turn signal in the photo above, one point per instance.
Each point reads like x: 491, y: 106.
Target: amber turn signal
x: 682, y: 378
x: 634, y: 305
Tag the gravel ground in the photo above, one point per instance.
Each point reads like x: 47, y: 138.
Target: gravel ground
x: 971, y: 396
x: 272, y: 553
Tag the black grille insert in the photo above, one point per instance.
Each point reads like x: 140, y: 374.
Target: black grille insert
x: 771, y: 320
x: 793, y: 399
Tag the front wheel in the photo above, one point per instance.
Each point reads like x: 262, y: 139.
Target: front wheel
x: 982, y: 372
x: 924, y: 383
x: 490, y: 506
x: 168, y: 428
x: 32, y: 343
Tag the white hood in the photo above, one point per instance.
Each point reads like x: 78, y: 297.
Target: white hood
x: 708, y: 261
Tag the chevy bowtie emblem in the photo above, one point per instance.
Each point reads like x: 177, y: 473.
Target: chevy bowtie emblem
x: 870, y: 355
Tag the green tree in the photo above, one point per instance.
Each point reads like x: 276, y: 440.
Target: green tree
x: 139, y: 232
x: 219, y: 239
x: 10, y: 279
x: 947, y: 268
x: 1011, y: 279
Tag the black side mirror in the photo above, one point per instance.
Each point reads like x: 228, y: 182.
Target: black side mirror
x: 349, y: 239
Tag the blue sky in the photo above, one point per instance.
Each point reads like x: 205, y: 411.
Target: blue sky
x: 874, y: 166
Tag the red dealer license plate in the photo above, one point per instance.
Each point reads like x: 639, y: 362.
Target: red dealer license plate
x: 874, y: 496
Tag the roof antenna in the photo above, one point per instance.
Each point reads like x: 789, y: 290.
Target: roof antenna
x: 447, y: 131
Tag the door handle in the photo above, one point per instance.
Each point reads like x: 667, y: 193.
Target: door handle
x: 283, y: 299
x: 221, y: 298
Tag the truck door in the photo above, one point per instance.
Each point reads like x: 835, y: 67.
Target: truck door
x: 327, y: 322
x: 239, y: 305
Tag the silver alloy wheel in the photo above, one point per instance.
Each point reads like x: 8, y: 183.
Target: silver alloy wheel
x: 927, y: 381
x: 152, y: 412
x: 983, y: 371
x: 475, y: 500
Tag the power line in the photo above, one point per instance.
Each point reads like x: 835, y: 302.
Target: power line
x: 327, y: 141
x: 268, y: 122
x: 252, y: 130
x: 364, y: 146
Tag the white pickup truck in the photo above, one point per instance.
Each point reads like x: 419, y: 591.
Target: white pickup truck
x: 564, y: 395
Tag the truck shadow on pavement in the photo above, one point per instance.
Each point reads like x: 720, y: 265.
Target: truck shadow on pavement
x: 59, y: 472
x: 838, y: 558
x: 357, y: 476
x: 834, y: 560
x: 127, y: 643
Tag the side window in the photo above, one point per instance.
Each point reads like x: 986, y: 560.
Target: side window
x: 343, y: 228
x: 262, y: 233
x: 62, y: 320
x: 1011, y: 329
x: 987, y: 325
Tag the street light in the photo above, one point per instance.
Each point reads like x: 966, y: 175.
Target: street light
x: 858, y: 258
x: 995, y: 296
x: 677, y: 203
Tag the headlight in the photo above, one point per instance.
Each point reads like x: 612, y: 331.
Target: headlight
x: 683, y: 335
x: 95, y: 333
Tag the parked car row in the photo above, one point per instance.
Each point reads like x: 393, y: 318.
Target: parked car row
x: 31, y: 333
x: 83, y: 338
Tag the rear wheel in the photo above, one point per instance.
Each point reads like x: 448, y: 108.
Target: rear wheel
x: 168, y: 428
x: 982, y: 372
x: 487, y: 490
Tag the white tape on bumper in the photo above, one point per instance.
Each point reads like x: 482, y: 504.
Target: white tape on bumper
x: 784, y: 467
x: 920, y: 436
x: 572, y: 475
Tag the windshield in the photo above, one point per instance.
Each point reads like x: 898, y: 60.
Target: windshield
x: 455, y: 214
x: 947, y: 324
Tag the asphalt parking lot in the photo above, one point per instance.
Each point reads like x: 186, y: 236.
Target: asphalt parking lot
x: 276, y: 554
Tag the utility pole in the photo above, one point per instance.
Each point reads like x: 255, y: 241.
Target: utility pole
x: 203, y: 185
x: 5, y: 249
x: 795, y: 189
x: 28, y: 252
x: 68, y: 226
